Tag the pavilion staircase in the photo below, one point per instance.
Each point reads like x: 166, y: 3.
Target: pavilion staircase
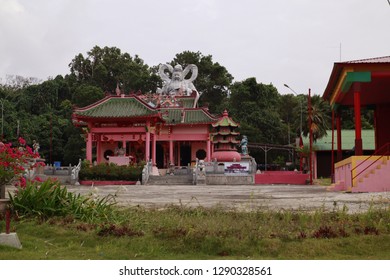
x: 177, y: 177
x: 375, y: 176
x: 364, y: 173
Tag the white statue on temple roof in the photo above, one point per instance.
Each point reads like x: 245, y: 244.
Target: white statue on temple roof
x: 177, y: 85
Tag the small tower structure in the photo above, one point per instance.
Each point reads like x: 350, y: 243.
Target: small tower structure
x: 224, y: 140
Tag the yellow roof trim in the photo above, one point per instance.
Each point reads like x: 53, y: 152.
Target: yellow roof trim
x: 340, y: 82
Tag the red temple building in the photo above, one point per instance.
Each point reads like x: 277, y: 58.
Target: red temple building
x: 164, y: 129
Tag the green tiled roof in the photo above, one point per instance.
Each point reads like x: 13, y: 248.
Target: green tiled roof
x: 130, y: 107
x: 116, y: 107
x: 188, y: 102
x: 347, y: 138
x: 197, y: 116
x: 191, y: 116
x: 174, y: 116
x: 226, y: 121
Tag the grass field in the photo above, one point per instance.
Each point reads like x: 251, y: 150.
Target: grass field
x: 199, y: 233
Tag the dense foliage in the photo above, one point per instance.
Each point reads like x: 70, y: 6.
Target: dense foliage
x: 42, y: 110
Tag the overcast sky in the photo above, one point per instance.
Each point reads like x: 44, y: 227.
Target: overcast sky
x: 277, y: 41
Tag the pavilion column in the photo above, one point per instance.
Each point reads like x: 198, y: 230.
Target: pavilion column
x: 147, y: 141
x: 338, y: 127
x: 89, y: 147
x: 154, y: 149
x: 171, y: 161
x: 208, y: 150
x: 147, y: 147
x: 358, y: 124
x: 98, y: 148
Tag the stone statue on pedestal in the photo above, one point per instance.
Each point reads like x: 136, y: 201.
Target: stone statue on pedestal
x: 244, y: 145
x: 177, y: 85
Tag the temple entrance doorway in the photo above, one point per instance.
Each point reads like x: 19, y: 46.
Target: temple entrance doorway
x: 159, y: 155
x: 185, y: 154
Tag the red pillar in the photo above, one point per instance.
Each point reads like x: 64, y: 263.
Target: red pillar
x: 147, y: 146
x: 310, y: 138
x: 154, y: 149
x: 171, y: 161
x: 98, y: 148
x: 339, y: 148
x: 208, y: 150
x: 147, y: 142
x: 358, y: 125
x: 89, y: 147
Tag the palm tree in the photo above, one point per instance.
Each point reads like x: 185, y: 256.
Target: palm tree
x: 320, y: 118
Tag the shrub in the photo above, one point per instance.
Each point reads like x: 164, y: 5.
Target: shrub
x: 111, y: 172
x: 13, y: 163
x: 51, y: 199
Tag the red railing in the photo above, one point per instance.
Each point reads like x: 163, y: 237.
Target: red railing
x: 382, y: 151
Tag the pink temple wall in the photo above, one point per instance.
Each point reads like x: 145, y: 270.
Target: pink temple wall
x: 372, y: 182
x: 197, y: 146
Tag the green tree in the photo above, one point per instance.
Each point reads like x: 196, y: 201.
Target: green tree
x: 74, y: 149
x: 85, y: 95
x: 320, y: 118
x: 213, y: 79
x: 107, y: 67
x: 348, y: 117
x: 255, y: 106
x: 290, y: 112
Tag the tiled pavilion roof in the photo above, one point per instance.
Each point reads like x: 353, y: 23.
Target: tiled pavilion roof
x: 225, y: 120
x: 116, y: 107
x: 372, y: 73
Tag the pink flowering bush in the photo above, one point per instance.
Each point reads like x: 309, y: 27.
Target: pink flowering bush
x: 13, y: 164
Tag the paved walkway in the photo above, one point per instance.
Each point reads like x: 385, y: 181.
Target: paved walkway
x: 245, y: 197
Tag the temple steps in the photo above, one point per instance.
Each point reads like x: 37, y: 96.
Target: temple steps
x: 170, y: 180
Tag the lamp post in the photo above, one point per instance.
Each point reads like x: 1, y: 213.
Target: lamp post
x: 300, y: 129
x: 287, y: 86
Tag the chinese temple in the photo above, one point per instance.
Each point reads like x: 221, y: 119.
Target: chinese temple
x: 166, y: 127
